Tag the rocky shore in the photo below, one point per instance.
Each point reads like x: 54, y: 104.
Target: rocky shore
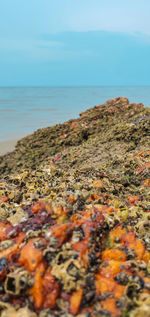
x: 75, y: 217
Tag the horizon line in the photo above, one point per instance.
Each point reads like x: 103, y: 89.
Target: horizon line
x: 71, y: 86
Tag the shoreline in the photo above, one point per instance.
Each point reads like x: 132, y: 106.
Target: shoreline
x: 7, y: 146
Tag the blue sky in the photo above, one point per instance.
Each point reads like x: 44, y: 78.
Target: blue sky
x: 74, y: 42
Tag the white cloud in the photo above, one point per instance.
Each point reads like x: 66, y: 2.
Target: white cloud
x: 121, y: 16
x: 35, y: 17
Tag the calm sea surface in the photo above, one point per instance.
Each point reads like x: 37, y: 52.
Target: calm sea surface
x: 24, y: 110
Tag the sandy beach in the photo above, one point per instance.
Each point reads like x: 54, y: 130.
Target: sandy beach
x: 7, y: 146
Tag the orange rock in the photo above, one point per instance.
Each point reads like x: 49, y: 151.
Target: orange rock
x: 146, y: 256
x: 128, y: 238
x: 5, y: 228
x: 30, y: 256
x: 112, y: 269
x: 36, y: 290
x: 140, y: 154
x: 119, y: 290
x: 133, y: 199
x: 104, y: 284
x: 139, y: 248
x: 93, y: 198
x: 61, y: 232
x: 63, y: 136
x: 75, y: 301
x: 4, y: 199
x: 141, y: 169
x: 113, y: 254
x: 135, y: 244
x: 98, y: 184
x: 50, y: 290
x: 146, y: 182
x: 71, y: 199
x: 58, y: 210
x: 105, y: 209
x: 117, y: 232
x: 74, y: 125
x: 89, y: 200
x: 37, y: 207
x: 110, y: 305
x: 12, y: 250
x: 82, y: 248
x: 87, y: 310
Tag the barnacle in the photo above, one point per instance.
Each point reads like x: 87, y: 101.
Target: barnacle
x: 6, y: 244
x: 143, y: 308
x: 70, y: 273
x: 17, y: 282
x: 132, y: 290
x: 143, y: 227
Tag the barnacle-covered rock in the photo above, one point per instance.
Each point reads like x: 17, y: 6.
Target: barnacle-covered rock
x: 74, y: 217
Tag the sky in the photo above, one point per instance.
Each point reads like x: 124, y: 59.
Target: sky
x: 74, y: 42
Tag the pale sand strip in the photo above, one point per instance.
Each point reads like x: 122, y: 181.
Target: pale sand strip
x: 7, y: 146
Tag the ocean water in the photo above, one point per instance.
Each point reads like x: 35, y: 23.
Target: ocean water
x: 24, y: 110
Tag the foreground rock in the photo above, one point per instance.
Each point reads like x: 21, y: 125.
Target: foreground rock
x: 75, y: 217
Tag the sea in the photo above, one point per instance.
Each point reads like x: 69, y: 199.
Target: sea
x: 26, y: 109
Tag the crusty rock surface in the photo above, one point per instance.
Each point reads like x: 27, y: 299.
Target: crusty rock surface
x: 75, y: 217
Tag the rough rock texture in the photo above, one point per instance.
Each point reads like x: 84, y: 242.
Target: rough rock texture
x: 75, y: 217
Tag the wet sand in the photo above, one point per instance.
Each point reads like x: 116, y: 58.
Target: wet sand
x: 7, y: 146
